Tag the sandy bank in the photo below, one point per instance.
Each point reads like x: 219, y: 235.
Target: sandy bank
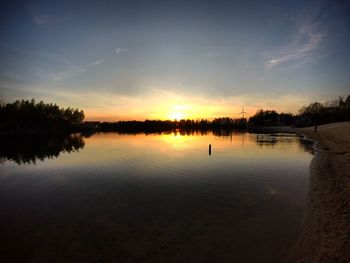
x: 326, y: 233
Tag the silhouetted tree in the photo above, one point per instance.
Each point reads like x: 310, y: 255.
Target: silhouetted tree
x: 320, y: 113
x: 29, y: 117
x: 264, y: 118
x: 159, y: 126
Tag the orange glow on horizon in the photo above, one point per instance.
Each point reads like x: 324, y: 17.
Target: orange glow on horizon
x: 170, y: 106
x: 168, y: 113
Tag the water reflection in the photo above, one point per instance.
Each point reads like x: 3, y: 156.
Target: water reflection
x: 152, y: 198
x: 30, y: 149
x: 274, y: 138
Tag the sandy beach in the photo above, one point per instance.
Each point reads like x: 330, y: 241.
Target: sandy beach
x: 326, y: 232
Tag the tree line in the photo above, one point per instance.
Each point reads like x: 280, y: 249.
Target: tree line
x: 319, y: 113
x: 313, y: 114
x: 26, y: 117
x: 30, y: 117
x: 167, y: 125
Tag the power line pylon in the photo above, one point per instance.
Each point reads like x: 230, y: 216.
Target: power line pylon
x: 242, y: 112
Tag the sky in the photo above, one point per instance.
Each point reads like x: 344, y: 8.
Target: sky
x: 158, y: 59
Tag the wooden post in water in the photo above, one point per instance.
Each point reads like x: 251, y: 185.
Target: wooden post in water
x: 209, y: 149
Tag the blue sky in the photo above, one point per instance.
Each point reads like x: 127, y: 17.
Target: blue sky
x: 160, y: 59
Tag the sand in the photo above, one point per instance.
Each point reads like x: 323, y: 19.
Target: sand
x: 326, y: 232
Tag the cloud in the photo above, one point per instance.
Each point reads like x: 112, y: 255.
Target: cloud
x: 46, y: 20
x: 42, y: 19
x: 297, y: 52
x: 63, y: 75
x: 305, y: 41
x: 120, y: 50
x: 96, y: 63
x: 58, y: 68
x: 63, y: 68
x: 214, y: 54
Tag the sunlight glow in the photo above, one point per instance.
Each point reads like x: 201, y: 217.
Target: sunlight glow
x: 177, y: 116
x: 164, y: 105
x: 178, y: 112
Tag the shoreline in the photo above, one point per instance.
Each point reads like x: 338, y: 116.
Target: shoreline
x: 325, y: 235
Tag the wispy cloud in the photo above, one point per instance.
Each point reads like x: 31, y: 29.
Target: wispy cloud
x: 63, y: 75
x: 120, y: 50
x: 70, y: 70
x: 298, y: 52
x: 43, y: 19
x: 306, y: 40
x: 63, y: 68
x: 60, y: 67
x: 96, y: 63
x: 214, y: 54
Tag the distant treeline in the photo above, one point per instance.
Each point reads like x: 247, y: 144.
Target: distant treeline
x: 158, y: 125
x: 314, y: 113
x: 26, y: 117
x: 30, y: 117
x: 271, y: 118
x: 318, y: 113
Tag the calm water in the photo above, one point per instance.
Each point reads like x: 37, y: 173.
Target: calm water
x: 152, y: 198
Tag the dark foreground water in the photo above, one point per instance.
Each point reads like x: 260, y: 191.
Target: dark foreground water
x: 152, y: 198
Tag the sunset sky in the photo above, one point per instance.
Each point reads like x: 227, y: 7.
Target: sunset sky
x: 174, y: 59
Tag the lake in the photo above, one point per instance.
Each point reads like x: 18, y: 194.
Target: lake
x: 112, y: 197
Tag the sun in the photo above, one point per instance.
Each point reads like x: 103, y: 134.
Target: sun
x: 177, y: 116
x: 178, y: 112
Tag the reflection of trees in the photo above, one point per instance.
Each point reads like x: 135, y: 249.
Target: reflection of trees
x: 273, y: 139
x: 307, y: 145
x: 29, y: 149
x: 266, y: 139
x: 176, y: 132
x: 225, y: 133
